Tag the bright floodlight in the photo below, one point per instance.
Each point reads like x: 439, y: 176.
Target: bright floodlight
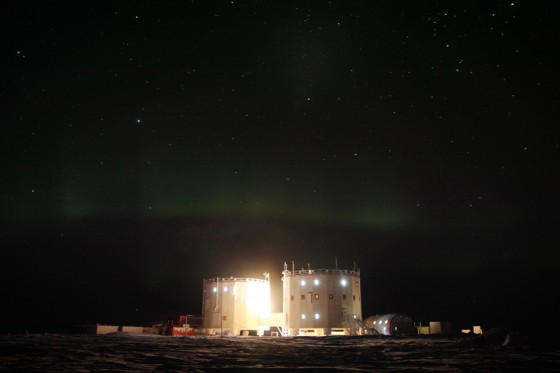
x: 316, y: 282
x: 316, y: 316
x: 303, y: 316
x: 225, y: 289
x: 302, y: 282
x: 343, y: 282
x: 256, y: 293
x: 215, y: 289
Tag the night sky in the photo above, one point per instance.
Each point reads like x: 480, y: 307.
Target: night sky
x: 149, y: 145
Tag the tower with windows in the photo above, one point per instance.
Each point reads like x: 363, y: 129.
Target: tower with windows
x: 321, y: 302
x: 235, y: 306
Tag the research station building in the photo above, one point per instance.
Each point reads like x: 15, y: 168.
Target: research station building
x: 235, y: 306
x: 321, y: 302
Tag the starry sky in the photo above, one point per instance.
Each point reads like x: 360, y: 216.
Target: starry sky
x: 148, y: 145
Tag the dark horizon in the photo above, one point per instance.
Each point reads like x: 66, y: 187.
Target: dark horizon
x: 155, y: 270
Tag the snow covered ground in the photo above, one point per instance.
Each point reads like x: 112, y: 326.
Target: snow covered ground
x: 132, y: 353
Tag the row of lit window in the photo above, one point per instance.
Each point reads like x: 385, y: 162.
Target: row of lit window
x: 381, y: 322
x: 303, y: 317
x: 317, y: 317
x: 316, y: 297
x: 343, y: 282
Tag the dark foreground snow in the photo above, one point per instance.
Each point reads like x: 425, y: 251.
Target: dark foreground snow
x: 132, y: 353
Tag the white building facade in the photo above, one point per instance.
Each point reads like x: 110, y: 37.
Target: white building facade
x: 322, y: 302
x: 235, y: 306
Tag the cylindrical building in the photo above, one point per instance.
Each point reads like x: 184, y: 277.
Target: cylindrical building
x: 391, y: 324
x: 235, y: 306
x: 321, y: 302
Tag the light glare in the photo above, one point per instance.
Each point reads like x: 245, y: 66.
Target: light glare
x: 256, y: 292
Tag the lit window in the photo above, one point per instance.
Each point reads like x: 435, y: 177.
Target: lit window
x: 303, y: 316
x: 316, y: 316
x: 343, y: 282
x: 316, y: 282
x: 317, y: 296
x: 302, y: 282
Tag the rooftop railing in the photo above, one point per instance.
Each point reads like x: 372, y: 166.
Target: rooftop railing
x: 234, y: 279
x: 322, y: 272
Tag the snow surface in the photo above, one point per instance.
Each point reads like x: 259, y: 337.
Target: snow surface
x: 132, y: 353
